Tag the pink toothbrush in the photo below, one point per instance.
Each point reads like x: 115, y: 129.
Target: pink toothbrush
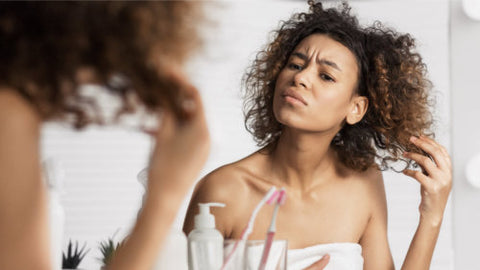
x: 269, y: 198
x: 271, y: 230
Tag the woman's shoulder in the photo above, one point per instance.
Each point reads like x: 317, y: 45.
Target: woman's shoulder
x: 371, y: 176
x: 14, y: 105
x: 227, y: 178
x: 229, y: 184
x: 368, y: 183
x: 372, y: 186
x: 15, y: 111
x: 230, y: 181
x: 368, y: 177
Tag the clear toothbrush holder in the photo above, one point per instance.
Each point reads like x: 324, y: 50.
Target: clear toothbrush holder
x: 248, y: 254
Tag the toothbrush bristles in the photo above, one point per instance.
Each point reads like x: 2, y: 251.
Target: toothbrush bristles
x: 274, y: 197
x: 282, y: 196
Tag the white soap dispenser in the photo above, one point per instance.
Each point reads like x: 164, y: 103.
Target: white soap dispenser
x: 205, y: 243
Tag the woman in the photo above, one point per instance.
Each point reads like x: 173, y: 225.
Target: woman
x: 333, y: 104
x: 133, y: 49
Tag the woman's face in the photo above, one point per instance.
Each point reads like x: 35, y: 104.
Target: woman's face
x: 315, y: 89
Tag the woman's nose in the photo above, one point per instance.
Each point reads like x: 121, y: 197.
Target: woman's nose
x: 301, y: 78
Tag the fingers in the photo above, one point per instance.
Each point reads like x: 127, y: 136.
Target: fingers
x: 167, y: 125
x: 442, y: 149
x: 188, y: 107
x: 320, y: 264
x: 418, y: 175
x: 188, y: 100
x: 435, y: 150
x: 192, y: 104
x: 434, y: 167
x: 424, y: 161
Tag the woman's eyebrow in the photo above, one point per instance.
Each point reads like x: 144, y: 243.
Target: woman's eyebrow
x: 328, y: 63
x: 321, y: 61
x: 300, y: 55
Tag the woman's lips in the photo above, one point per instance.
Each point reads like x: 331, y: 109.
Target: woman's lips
x: 293, y: 96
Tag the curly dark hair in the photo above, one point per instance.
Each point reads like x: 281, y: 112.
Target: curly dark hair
x: 391, y: 75
x: 43, y: 45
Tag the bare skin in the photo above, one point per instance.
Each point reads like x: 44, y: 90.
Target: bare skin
x: 23, y: 210
x: 326, y: 202
x: 23, y: 196
x: 304, y: 210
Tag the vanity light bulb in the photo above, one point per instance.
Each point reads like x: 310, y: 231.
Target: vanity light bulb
x: 472, y: 9
x: 472, y: 171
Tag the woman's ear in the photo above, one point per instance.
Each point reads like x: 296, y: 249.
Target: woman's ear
x: 358, y: 109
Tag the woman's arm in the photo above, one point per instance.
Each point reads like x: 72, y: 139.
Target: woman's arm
x: 374, y: 241
x: 436, y: 184
x: 420, y: 253
x: 180, y: 152
x: 24, y: 234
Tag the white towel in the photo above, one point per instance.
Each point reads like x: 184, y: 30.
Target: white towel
x: 277, y: 258
x: 343, y: 256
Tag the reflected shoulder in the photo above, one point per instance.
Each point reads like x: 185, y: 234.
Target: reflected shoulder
x: 15, y: 110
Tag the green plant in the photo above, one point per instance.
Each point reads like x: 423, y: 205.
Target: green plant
x: 72, y: 258
x: 108, y: 248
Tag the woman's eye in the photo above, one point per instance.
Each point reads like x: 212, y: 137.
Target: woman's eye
x: 294, y: 66
x: 326, y: 77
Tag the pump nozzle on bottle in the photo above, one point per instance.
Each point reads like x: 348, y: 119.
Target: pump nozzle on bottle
x: 204, y: 219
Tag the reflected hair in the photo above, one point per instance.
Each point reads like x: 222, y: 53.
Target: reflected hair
x: 128, y: 45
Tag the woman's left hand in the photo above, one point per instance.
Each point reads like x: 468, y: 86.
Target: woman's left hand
x: 435, y: 179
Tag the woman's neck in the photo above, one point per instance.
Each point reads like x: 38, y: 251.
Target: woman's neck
x: 303, y: 160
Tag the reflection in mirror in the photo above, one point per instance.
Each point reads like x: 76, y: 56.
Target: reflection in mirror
x: 102, y: 194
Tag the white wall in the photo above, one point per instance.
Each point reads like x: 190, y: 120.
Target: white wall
x: 102, y: 194
x: 465, y: 85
